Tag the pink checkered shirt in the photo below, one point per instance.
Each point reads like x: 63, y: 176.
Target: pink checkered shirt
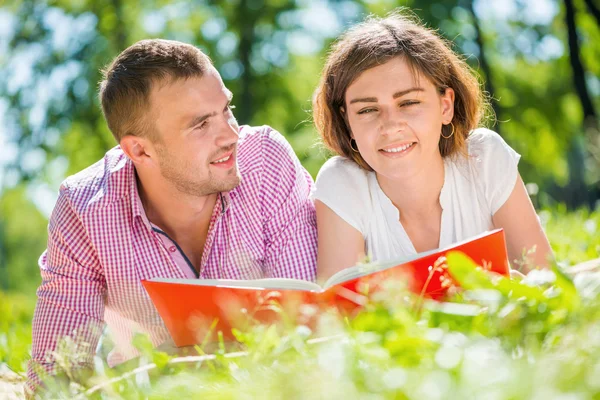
x: 101, y: 246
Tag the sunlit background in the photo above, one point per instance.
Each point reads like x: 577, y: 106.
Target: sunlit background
x: 539, y: 60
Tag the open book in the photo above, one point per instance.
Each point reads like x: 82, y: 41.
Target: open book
x: 192, y: 308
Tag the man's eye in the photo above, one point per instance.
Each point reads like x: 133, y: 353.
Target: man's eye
x: 201, y: 125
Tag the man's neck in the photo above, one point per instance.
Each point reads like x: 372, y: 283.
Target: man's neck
x: 183, y: 217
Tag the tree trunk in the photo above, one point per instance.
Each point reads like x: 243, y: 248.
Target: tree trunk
x: 577, y: 65
x: 595, y: 11
x: 246, y: 20
x: 483, y: 62
x: 578, y: 193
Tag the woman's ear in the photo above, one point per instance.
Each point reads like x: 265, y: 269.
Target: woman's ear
x: 345, y: 117
x: 447, y: 103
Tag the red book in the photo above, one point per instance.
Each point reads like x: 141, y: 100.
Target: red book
x: 193, y: 310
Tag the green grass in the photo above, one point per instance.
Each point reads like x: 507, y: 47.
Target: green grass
x: 500, y: 339
x: 575, y: 236
x: 16, y: 312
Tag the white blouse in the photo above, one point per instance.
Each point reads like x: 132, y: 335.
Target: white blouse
x: 474, y: 189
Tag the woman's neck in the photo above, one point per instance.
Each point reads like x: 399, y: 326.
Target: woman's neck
x: 416, y: 196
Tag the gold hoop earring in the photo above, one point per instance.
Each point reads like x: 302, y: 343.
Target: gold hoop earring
x: 352, y: 147
x: 451, y: 133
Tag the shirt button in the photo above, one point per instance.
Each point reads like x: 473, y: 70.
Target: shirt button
x: 172, y: 249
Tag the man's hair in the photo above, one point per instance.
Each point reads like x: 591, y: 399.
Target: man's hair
x: 127, y: 82
x: 376, y: 41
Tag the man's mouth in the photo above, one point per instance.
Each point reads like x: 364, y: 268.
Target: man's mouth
x: 224, y: 159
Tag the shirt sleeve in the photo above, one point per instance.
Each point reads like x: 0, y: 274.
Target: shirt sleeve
x: 495, y: 164
x: 343, y: 187
x: 70, y: 297
x: 290, y: 225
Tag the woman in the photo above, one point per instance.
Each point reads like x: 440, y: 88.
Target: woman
x: 414, y: 172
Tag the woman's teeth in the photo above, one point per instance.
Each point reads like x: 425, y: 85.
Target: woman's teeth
x: 398, y: 149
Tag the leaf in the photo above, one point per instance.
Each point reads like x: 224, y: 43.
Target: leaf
x: 466, y: 272
x: 470, y: 276
x: 570, y: 298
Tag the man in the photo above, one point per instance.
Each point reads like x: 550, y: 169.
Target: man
x: 187, y: 194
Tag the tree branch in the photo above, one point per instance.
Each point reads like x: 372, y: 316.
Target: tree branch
x: 595, y: 11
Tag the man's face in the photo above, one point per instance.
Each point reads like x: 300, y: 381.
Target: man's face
x: 197, y: 134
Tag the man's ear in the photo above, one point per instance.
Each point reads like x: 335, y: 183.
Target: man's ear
x: 138, y: 149
x: 447, y: 101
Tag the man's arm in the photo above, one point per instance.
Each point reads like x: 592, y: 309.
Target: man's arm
x: 71, y: 296
x: 289, y: 214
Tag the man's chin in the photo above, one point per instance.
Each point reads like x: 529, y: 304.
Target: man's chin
x: 235, y: 182
x: 230, y: 182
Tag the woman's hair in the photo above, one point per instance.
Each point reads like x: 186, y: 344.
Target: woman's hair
x: 376, y: 41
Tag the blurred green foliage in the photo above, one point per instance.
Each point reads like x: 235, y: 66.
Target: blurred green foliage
x: 16, y: 312
x: 573, y: 235
x: 499, y: 338
x: 270, y: 53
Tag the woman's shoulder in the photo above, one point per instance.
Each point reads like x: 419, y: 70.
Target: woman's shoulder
x: 486, y: 143
x: 343, y: 186
x: 492, y: 165
x: 487, y: 149
x: 341, y: 176
x: 483, y: 139
x: 341, y: 169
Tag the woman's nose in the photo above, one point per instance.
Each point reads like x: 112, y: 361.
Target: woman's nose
x: 392, y: 123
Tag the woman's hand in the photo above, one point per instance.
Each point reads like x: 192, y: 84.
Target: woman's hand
x: 516, y: 275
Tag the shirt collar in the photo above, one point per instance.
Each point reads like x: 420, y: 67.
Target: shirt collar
x: 225, y: 199
x: 137, y: 208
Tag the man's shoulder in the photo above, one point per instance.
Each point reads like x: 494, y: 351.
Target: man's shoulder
x: 105, y: 181
x: 263, y: 147
x: 268, y: 164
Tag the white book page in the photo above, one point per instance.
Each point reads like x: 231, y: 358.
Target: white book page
x: 359, y: 270
x: 267, y: 283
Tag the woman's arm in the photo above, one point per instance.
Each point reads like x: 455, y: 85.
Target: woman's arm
x: 339, y: 244
x: 523, y: 229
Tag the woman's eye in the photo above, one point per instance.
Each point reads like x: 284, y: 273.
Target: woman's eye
x: 409, y: 103
x: 366, y: 111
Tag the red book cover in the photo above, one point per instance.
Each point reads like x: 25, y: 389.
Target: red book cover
x: 194, y: 310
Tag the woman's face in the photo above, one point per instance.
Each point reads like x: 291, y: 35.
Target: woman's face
x: 396, y: 118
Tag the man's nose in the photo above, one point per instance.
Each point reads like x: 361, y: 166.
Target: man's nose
x: 229, y: 133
